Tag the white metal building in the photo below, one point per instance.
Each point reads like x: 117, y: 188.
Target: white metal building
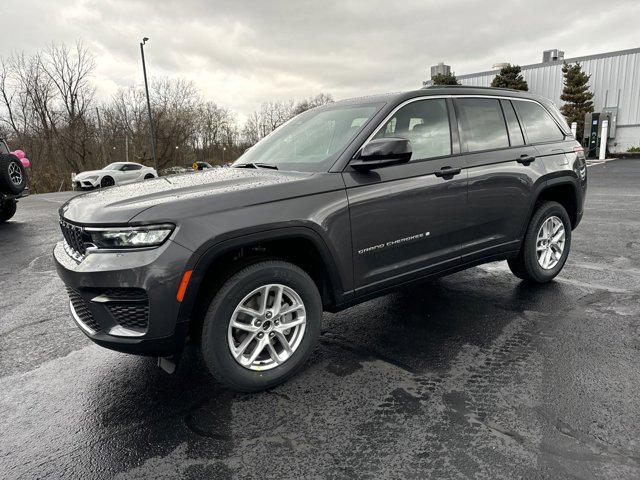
x: 615, y: 82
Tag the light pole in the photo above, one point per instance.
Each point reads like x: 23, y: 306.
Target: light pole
x: 224, y: 149
x: 146, y: 88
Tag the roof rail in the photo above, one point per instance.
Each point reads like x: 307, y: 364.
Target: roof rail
x: 470, y: 86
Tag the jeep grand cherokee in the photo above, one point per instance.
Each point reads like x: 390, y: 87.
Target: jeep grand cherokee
x: 340, y: 204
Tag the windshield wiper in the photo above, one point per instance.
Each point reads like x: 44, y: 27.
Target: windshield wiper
x: 257, y: 165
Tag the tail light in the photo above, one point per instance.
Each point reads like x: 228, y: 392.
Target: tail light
x: 580, y: 165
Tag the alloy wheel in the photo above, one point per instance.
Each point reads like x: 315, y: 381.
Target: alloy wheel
x: 550, y: 242
x: 266, y: 327
x: 15, y: 174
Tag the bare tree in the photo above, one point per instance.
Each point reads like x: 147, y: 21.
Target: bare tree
x: 27, y: 96
x: 29, y: 99
x: 215, y: 130
x: 125, y: 126
x: 48, y: 109
x: 174, y: 104
x: 262, y: 122
x: 273, y: 114
x: 312, y: 102
x: 8, y: 92
x: 70, y: 72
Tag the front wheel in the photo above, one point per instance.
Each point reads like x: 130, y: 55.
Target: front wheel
x: 7, y: 209
x: 546, y: 245
x: 261, y: 326
x: 107, y: 182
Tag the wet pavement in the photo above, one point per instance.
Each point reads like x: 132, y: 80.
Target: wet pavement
x: 476, y: 375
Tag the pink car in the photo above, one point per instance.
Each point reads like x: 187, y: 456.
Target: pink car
x: 13, y: 180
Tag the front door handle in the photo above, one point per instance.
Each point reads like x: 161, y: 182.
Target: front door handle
x: 525, y: 159
x: 447, y: 172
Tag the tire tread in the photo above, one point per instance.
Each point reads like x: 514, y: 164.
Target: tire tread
x: 7, y: 210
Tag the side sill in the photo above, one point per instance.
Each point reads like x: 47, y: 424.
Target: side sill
x: 362, y: 297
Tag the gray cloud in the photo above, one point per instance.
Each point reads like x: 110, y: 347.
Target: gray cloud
x: 241, y: 53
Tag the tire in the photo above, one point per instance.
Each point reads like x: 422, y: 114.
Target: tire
x: 526, y: 265
x: 13, y: 176
x: 217, y: 333
x: 107, y: 182
x: 149, y: 176
x: 7, y: 209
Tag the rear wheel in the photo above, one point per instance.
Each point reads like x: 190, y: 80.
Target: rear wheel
x: 149, y: 176
x: 546, y: 245
x: 261, y: 326
x: 7, y: 209
x: 107, y: 182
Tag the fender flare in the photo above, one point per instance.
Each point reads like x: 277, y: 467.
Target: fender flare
x: 541, y: 187
x: 205, y: 256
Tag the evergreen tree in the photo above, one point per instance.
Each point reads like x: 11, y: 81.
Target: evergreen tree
x: 576, y: 95
x: 510, y: 77
x: 444, y: 79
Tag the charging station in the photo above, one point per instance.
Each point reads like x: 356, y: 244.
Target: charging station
x: 592, y: 135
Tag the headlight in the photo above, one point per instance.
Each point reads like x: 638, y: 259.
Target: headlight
x: 129, y: 237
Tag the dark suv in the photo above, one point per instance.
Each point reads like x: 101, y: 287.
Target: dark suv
x: 13, y: 180
x: 339, y: 205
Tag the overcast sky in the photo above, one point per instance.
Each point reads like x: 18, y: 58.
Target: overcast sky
x: 240, y: 53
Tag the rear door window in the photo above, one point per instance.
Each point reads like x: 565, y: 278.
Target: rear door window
x: 481, y: 124
x: 537, y: 123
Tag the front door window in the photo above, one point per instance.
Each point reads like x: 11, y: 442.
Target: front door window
x: 425, y: 124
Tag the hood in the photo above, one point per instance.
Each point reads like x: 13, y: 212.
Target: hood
x: 225, y: 188
x: 88, y: 173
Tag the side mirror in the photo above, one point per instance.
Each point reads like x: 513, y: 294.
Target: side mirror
x: 383, y: 152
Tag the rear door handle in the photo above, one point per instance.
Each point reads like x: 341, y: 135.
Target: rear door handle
x: 525, y: 159
x: 447, y: 172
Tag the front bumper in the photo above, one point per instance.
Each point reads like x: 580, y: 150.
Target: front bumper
x: 126, y: 301
x: 85, y: 184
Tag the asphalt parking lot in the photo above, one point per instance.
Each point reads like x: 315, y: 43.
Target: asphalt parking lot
x: 476, y: 375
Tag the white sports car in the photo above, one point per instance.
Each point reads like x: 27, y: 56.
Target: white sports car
x: 119, y: 173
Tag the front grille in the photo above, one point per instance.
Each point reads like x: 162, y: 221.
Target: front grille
x: 134, y: 315
x: 126, y: 294
x: 75, y: 239
x: 82, y: 310
x: 129, y: 307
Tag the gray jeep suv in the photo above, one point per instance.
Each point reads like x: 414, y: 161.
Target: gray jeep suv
x: 339, y: 205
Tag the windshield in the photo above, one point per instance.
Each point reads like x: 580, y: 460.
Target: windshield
x: 311, y: 141
x: 113, y: 166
